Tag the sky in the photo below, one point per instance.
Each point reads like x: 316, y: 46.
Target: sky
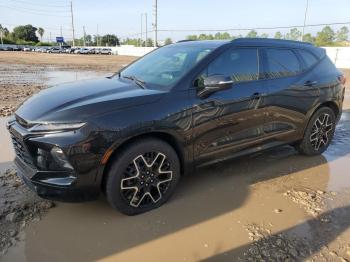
x: 123, y: 18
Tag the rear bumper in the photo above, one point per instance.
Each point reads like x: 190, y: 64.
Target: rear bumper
x: 61, y: 186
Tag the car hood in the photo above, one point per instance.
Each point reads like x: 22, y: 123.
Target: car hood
x: 79, y: 100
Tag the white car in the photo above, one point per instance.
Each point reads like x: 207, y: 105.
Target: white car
x: 82, y: 51
x: 106, y: 51
x: 27, y: 49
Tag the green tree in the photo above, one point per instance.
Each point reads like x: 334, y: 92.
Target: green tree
x: 222, y: 36
x: 5, y: 31
x: 294, y: 34
x: 308, y: 38
x: 41, y: 32
x: 252, y: 34
x: 192, y: 37
x: 278, y: 35
x: 26, y: 33
x: 109, y: 40
x: 168, y: 41
x: 325, y: 37
x: 150, y: 42
x: 264, y: 35
x: 342, y: 34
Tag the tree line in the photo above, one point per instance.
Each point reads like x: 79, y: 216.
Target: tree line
x: 30, y: 35
x: 326, y: 37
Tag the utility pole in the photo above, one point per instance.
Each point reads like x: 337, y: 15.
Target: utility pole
x: 155, y: 24
x: 97, y: 35
x: 71, y: 11
x: 1, y: 32
x: 61, y: 31
x: 305, y: 16
x: 141, y: 31
x: 84, y: 36
x: 146, y: 30
x: 50, y: 38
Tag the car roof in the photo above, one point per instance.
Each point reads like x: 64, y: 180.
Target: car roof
x: 245, y: 42
x: 200, y: 43
x: 257, y: 42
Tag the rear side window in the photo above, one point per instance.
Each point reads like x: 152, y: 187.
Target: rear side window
x: 280, y: 63
x: 241, y: 64
x: 308, y: 58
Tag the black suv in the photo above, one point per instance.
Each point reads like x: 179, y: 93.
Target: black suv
x: 181, y: 106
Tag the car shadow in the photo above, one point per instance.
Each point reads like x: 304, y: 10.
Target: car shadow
x: 319, y: 235
x: 91, y: 231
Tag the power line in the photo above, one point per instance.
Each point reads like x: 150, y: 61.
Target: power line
x: 38, y: 10
x: 30, y: 12
x: 252, y: 28
x: 36, y: 4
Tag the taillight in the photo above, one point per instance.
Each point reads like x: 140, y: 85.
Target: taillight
x: 342, y: 79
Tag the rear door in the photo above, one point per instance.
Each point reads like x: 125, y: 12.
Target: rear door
x: 230, y: 120
x: 292, y: 90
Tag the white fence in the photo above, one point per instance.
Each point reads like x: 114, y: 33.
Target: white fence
x: 339, y: 55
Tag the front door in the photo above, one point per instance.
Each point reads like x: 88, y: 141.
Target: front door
x: 231, y: 120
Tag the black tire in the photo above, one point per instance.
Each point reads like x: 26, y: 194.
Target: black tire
x: 319, y: 132
x: 142, y: 176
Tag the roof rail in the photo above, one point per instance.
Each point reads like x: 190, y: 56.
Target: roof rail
x: 270, y: 40
x: 185, y: 40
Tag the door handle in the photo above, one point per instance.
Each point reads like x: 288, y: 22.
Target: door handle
x: 310, y: 83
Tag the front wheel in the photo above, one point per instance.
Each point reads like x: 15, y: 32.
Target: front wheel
x: 142, y: 177
x: 319, y: 132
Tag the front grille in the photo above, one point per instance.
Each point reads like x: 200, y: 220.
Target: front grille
x: 21, y: 151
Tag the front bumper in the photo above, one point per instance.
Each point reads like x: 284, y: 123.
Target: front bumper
x: 61, y: 191
x: 79, y: 184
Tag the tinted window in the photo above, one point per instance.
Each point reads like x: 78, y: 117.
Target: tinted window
x: 308, y: 58
x: 163, y: 67
x: 281, y: 63
x: 239, y: 64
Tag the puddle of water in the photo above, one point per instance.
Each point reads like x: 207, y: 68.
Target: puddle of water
x: 7, y: 153
x: 55, y: 77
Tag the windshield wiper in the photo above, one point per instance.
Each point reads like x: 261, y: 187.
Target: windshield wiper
x: 137, y: 81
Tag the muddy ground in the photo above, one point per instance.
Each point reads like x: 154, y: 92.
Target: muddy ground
x: 271, y: 206
x: 23, y: 74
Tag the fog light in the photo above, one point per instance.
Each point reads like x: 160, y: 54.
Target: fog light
x: 60, y: 157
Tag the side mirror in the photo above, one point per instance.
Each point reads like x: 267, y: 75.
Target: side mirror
x: 213, y: 84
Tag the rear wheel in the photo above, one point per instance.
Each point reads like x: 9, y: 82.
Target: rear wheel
x: 143, y: 176
x: 319, y: 132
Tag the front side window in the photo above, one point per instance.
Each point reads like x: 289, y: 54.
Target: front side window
x: 241, y: 64
x: 165, y: 66
x: 280, y: 63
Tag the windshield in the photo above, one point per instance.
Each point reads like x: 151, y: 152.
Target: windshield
x: 163, y: 67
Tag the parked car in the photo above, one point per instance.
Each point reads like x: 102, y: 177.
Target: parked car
x: 92, y: 51
x: 180, y: 107
x: 70, y: 50
x: 27, y: 49
x: 55, y: 50
x: 97, y: 51
x: 82, y: 51
x: 106, y: 51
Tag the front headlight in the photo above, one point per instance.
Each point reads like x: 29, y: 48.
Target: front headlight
x: 41, y: 127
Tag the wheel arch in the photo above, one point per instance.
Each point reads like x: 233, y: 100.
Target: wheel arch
x: 331, y: 104
x: 161, y: 135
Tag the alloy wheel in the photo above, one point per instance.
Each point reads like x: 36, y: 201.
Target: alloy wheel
x: 321, y: 131
x: 146, y: 179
